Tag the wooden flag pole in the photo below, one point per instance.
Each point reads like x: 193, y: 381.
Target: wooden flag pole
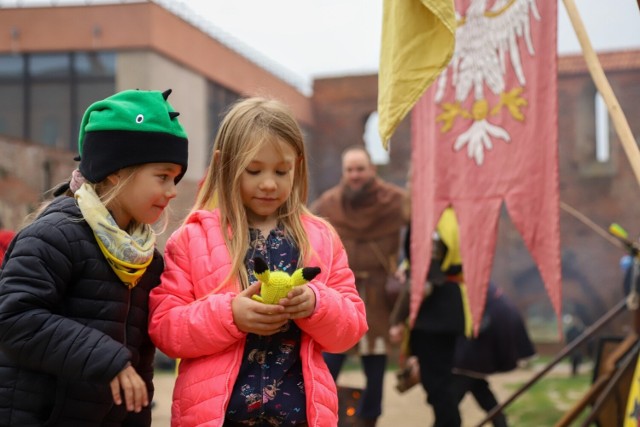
x: 628, y: 143
x: 597, y: 74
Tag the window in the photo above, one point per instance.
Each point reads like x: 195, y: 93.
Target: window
x: 43, y: 96
x: 594, y: 155
x: 11, y: 66
x: 379, y: 156
x: 94, y: 64
x: 603, y: 150
x: 11, y: 110
x: 50, y: 114
x: 12, y: 97
x: 49, y: 65
x: 219, y: 100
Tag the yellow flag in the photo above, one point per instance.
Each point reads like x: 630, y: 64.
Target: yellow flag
x: 418, y: 38
x: 632, y: 415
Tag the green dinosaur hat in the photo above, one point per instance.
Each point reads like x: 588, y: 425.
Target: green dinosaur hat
x: 130, y: 128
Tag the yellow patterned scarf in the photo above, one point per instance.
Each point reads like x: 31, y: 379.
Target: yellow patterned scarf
x: 129, y: 255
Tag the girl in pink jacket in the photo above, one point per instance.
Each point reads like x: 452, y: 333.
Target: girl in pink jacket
x: 244, y: 362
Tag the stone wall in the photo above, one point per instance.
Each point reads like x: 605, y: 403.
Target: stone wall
x: 341, y: 107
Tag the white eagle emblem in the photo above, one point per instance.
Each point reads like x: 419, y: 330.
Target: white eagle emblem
x: 484, y: 38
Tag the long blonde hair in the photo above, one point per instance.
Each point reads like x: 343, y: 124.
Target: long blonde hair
x: 248, y: 125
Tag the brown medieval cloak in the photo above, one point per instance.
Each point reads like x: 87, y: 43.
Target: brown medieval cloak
x: 370, y: 230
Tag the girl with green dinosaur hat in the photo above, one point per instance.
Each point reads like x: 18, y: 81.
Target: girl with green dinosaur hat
x: 75, y: 283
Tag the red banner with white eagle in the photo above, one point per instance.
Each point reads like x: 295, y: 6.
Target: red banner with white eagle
x: 484, y: 134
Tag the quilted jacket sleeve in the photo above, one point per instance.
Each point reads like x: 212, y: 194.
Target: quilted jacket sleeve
x: 339, y: 320
x: 190, y: 314
x: 33, y: 333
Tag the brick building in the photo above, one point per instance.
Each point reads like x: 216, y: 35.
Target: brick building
x: 54, y: 61
x: 596, y: 179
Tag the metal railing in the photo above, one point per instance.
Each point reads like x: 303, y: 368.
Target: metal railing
x: 596, y: 387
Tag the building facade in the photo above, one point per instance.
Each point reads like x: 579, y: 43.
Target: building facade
x: 56, y: 61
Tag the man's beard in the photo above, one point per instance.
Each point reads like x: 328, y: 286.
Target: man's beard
x: 357, y: 196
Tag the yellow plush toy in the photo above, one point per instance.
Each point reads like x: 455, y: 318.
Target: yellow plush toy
x: 277, y: 284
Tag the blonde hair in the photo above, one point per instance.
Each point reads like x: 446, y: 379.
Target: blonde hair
x: 248, y: 125
x: 107, y: 193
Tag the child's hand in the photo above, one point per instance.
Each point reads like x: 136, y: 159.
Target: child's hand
x: 401, y: 272
x: 300, y: 302
x: 134, y: 387
x: 255, y: 317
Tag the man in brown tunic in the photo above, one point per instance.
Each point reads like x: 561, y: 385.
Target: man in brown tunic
x: 368, y: 214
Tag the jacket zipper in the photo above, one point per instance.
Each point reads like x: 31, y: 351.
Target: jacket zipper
x: 225, y: 401
x: 126, y: 318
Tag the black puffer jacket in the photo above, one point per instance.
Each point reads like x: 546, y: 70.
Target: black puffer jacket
x: 68, y: 326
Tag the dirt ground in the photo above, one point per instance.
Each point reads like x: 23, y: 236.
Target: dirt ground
x: 399, y: 410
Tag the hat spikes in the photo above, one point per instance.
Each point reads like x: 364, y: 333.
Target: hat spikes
x: 172, y: 114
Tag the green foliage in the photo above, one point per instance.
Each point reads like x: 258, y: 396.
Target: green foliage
x: 546, y: 402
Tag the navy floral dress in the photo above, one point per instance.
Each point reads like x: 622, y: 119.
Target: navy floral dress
x: 269, y: 390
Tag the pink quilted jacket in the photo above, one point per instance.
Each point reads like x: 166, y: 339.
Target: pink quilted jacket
x: 190, y: 322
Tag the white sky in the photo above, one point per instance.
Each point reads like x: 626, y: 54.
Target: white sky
x: 336, y: 37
